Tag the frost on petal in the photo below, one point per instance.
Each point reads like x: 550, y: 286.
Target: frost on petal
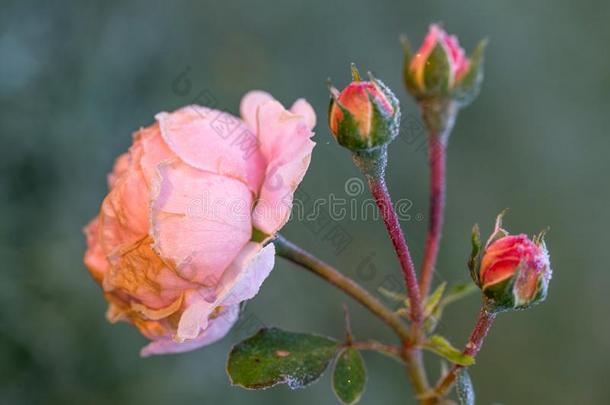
x: 285, y: 142
x: 217, y: 329
x: 213, y: 141
x: 199, y: 221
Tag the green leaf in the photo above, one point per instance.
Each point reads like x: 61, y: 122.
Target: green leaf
x: 434, y: 300
x: 442, y: 347
x: 349, y: 376
x: 465, y: 391
x: 436, y: 303
x: 457, y: 292
x: 394, y: 296
x: 273, y: 356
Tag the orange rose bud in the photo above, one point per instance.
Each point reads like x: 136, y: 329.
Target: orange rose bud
x: 515, y: 271
x: 365, y: 115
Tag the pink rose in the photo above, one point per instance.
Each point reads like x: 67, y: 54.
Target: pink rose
x: 173, y: 245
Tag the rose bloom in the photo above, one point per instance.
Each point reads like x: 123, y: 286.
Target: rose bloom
x: 458, y: 62
x: 178, y: 242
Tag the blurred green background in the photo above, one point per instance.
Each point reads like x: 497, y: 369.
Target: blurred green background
x: 77, y: 78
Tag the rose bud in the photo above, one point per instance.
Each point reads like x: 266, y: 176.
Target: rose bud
x: 441, y: 69
x: 179, y: 240
x: 365, y: 115
x: 515, y: 271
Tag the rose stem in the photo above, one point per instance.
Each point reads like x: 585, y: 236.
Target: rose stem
x: 292, y: 252
x: 437, y: 160
x: 295, y: 254
x: 482, y: 327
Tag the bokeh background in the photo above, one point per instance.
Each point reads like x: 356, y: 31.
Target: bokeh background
x: 77, y: 78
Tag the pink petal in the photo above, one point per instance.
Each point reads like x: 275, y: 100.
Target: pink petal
x: 243, y: 279
x: 284, y: 142
x: 248, y: 108
x: 304, y: 109
x: 120, y: 166
x: 213, y: 141
x: 218, y: 328
x: 200, y: 221
x: 123, y: 215
x: 240, y: 282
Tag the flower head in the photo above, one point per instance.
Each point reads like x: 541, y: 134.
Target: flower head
x: 447, y: 47
x: 179, y: 240
x: 365, y: 115
x: 441, y: 69
x: 514, y: 271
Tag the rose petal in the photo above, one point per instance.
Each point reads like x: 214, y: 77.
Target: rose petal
x: 304, y: 109
x: 213, y: 141
x: 240, y: 282
x: 248, y: 108
x: 218, y: 328
x: 95, y: 259
x: 200, y: 221
x: 244, y: 277
x: 284, y: 141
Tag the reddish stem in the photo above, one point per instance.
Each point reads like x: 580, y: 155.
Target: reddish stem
x: 384, y: 202
x: 473, y: 346
x: 437, y: 159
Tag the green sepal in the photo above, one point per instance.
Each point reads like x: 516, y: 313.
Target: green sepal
x: 436, y: 73
x: 348, y: 132
x: 500, y: 295
x: 273, y: 356
x: 408, y: 77
x: 464, y: 388
x: 443, y: 348
x: 469, y: 86
x: 474, y: 261
x: 498, y: 232
x: 349, y: 376
x: 384, y: 126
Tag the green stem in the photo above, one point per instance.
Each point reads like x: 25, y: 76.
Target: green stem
x: 292, y: 252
